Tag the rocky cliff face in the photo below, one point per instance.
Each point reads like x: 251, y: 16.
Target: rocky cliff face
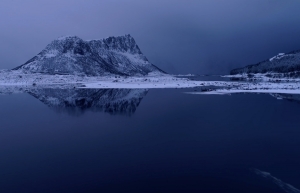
x: 281, y: 63
x: 72, y: 55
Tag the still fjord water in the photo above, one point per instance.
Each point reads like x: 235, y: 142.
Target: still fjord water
x: 172, y: 142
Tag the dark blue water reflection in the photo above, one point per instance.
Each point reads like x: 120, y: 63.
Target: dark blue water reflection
x: 171, y: 142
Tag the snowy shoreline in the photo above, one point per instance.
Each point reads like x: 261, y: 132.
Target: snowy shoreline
x: 16, y: 78
x: 20, y: 79
x: 267, y: 77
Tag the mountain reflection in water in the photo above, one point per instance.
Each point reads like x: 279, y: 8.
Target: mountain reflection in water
x: 76, y: 101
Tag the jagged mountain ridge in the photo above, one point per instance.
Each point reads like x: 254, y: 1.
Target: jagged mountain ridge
x: 72, y: 55
x: 282, y: 63
x: 113, y: 101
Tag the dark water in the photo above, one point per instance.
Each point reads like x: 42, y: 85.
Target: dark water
x: 162, y: 141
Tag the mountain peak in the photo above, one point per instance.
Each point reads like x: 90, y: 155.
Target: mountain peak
x: 72, y: 55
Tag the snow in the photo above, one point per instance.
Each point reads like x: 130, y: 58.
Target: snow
x: 256, y: 87
x: 51, y: 53
x: 280, y: 55
x: 235, y: 76
x: 153, y: 80
x: 70, y: 56
x: 266, y: 77
x: 120, y: 55
x: 224, y: 92
x: 188, y: 75
x: 135, y: 58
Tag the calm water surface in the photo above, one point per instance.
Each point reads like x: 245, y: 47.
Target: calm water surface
x: 166, y: 141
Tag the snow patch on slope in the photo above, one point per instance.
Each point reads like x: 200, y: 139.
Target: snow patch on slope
x: 51, y: 53
x: 277, y: 57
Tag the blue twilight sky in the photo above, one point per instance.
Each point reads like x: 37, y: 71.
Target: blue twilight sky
x: 203, y: 36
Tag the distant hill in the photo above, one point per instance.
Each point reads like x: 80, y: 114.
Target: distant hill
x: 281, y: 63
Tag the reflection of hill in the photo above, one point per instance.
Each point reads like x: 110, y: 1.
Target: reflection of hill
x: 113, y: 101
x: 290, y: 97
x: 74, y: 100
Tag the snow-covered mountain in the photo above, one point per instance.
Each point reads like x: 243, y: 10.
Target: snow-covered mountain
x: 282, y: 63
x: 72, y: 55
x: 113, y: 101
